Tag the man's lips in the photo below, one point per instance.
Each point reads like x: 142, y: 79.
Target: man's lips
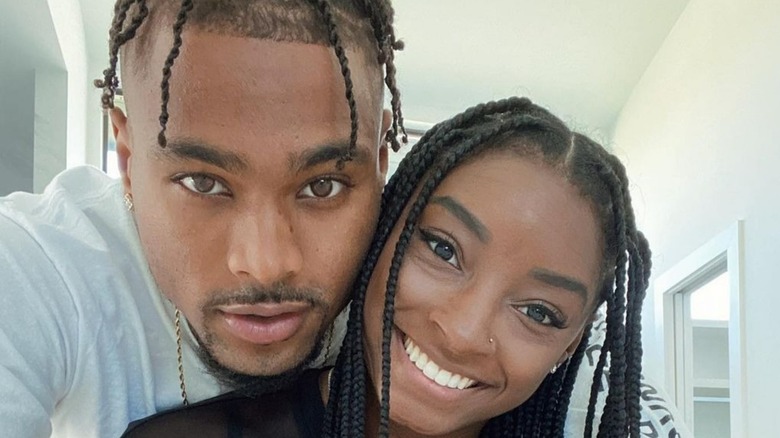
x: 264, y: 324
x: 265, y: 309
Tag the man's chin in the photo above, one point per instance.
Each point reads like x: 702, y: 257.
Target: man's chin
x: 262, y: 382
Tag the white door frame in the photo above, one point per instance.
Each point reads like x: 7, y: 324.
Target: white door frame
x: 726, y: 247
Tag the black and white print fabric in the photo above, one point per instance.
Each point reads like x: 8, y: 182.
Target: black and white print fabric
x: 660, y: 418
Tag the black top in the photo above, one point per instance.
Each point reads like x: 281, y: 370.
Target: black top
x: 295, y: 412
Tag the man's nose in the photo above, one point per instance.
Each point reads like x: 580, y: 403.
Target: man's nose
x: 263, y: 246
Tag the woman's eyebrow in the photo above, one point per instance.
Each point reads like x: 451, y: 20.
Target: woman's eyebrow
x: 464, y: 215
x: 561, y: 281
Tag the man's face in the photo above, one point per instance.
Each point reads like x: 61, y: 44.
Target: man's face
x: 249, y: 227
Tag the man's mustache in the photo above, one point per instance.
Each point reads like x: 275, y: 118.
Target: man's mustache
x: 274, y: 294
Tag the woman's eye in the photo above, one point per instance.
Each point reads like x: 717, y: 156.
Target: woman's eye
x: 203, y: 185
x: 443, y: 249
x: 322, y: 188
x: 541, y: 314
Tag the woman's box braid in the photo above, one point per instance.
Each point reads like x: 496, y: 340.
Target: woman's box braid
x: 379, y: 13
x: 440, y: 150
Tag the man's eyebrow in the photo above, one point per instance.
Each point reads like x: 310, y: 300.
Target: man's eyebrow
x: 464, y: 215
x: 325, y: 153
x: 561, y: 281
x: 189, y: 149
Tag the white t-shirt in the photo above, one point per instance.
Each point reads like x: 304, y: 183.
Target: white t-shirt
x: 87, y: 342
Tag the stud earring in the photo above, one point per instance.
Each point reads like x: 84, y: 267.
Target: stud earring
x: 558, y: 365
x: 129, y: 202
x: 490, y: 340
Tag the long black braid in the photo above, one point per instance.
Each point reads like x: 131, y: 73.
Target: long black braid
x: 129, y: 15
x: 515, y: 124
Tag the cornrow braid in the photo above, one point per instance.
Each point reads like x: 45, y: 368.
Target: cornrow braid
x: 382, y: 14
x: 533, y: 132
x: 118, y: 38
x: 178, y: 26
x: 335, y: 41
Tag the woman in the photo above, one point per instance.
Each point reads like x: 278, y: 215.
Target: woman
x: 501, y: 234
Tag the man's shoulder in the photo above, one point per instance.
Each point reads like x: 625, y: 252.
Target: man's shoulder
x: 76, y: 228
x: 71, y: 194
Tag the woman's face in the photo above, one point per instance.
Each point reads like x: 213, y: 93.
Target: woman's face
x: 495, y: 288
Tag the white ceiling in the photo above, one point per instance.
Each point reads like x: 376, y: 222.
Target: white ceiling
x: 579, y: 58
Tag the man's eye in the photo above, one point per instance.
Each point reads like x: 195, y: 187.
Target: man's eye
x: 541, y: 314
x: 442, y: 248
x: 203, y: 185
x: 322, y: 188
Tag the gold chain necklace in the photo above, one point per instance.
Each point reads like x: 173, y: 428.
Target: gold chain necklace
x: 179, y: 358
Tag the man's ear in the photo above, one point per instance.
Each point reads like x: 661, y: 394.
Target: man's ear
x: 124, y: 150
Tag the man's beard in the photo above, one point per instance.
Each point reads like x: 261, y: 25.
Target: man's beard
x: 253, y: 385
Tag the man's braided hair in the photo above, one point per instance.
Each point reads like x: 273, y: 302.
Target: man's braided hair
x: 533, y: 133
x: 334, y: 23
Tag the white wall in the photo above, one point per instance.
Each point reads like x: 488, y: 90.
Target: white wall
x: 51, y: 126
x: 701, y: 138
x: 69, y: 25
x: 45, y: 110
x: 17, y: 111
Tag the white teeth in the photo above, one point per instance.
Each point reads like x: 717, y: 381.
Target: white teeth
x: 432, y: 371
x: 415, y: 353
x: 443, y: 377
x: 454, y: 380
x: 421, y: 361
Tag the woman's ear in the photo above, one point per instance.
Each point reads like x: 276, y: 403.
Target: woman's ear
x: 569, y: 352
x: 124, y: 150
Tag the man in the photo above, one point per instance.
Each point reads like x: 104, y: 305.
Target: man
x: 253, y: 154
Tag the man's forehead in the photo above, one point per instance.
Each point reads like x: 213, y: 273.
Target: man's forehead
x: 275, y: 20
x: 142, y: 61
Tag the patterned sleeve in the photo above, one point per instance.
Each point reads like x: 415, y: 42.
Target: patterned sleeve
x: 660, y: 418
